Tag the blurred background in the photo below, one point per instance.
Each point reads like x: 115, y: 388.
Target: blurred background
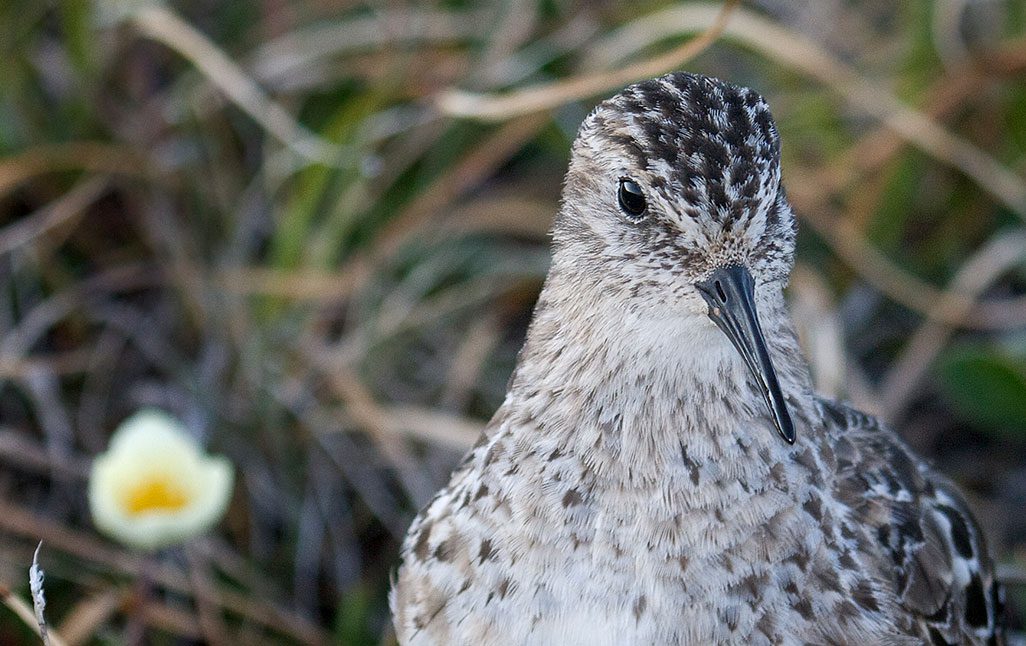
x: 314, y: 232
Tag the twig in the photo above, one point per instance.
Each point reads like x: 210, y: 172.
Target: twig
x: 297, y: 51
x: 140, y: 596
x: 875, y: 149
x: 210, y: 623
x: 455, y: 432
x: 61, y: 211
x: 18, y: 450
x: 470, y: 357
x: 17, y: 341
x: 22, y: 611
x: 472, y: 169
x: 819, y: 330
x: 36, y: 577
x: 365, y: 410
x: 496, y: 107
x: 93, y: 156
x: 948, y: 306
x: 975, y: 275
x: 163, y: 25
x: 59, y: 363
x: 293, y: 284
x: 1011, y: 574
x: 90, y: 613
x: 946, y: 30
x: 21, y: 522
x: 178, y: 621
x: 1007, y: 60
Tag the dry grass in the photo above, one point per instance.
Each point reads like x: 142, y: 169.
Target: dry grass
x: 315, y: 232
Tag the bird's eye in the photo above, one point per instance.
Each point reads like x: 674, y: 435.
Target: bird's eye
x: 631, y: 199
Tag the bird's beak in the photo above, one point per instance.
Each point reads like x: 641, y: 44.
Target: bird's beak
x: 730, y: 293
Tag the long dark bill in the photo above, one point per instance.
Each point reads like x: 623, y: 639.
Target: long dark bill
x: 730, y: 293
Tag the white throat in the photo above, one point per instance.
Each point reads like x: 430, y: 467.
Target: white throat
x: 621, y: 387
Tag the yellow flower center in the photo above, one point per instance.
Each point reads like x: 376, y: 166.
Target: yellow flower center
x: 155, y: 494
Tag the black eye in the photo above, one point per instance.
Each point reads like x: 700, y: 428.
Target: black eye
x: 632, y: 200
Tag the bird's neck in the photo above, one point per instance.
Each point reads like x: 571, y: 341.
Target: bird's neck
x: 622, y: 388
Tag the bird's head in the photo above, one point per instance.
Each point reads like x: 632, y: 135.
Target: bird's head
x: 673, y: 207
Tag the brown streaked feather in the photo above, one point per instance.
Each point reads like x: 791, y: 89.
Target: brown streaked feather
x: 942, y: 570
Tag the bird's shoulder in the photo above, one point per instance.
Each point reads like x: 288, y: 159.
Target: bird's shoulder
x: 939, y: 562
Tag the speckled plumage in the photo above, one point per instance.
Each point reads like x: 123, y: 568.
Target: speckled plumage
x: 631, y: 489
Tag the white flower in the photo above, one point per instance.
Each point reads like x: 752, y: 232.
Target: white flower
x: 154, y: 487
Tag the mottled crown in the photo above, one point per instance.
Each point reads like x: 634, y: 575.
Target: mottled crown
x: 703, y: 132
x: 707, y: 156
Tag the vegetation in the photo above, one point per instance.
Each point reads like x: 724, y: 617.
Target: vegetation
x: 278, y: 222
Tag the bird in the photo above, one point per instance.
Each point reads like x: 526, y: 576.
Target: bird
x: 661, y: 470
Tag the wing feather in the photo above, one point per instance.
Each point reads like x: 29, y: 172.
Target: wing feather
x: 943, y: 574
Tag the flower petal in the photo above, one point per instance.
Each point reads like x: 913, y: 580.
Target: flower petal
x: 154, y: 487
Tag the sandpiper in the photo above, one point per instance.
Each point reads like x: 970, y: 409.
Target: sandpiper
x: 661, y: 471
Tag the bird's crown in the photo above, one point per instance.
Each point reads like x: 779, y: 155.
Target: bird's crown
x: 679, y: 172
